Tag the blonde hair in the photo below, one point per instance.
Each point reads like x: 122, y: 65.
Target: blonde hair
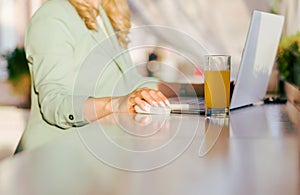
x: 117, y: 11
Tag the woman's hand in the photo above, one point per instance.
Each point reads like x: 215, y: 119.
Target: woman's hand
x: 137, y: 97
x: 96, y: 108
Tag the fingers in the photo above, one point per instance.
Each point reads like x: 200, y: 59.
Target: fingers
x: 153, y: 97
x: 165, y: 101
x: 141, y: 103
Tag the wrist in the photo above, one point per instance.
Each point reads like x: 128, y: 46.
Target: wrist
x: 114, y: 105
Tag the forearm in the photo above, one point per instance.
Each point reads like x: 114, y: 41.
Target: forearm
x: 96, y: 108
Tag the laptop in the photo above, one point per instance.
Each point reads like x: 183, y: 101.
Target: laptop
x: 256, y: 66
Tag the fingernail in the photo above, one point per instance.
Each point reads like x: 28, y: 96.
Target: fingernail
x: 167, y: 102
x: 161, y: 103
x: 154, y: 104
x: 147, y: 108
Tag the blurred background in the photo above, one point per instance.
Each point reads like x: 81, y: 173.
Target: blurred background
x: 218, y: 26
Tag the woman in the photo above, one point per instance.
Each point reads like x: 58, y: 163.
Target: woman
x: 59, y: 37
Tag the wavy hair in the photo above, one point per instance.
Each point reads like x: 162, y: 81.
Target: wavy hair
x: 117, y: 11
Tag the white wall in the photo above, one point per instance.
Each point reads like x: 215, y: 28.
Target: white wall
x: 8, y: 32
x: 220, y: 26
x: 14, y: 16
x: 291, y: 10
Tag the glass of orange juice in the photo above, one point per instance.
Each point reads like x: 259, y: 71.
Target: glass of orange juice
x: 217, y: 85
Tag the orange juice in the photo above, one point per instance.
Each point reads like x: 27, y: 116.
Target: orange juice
x: 217, y: 88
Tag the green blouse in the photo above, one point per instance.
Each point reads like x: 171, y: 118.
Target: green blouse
x: 69, y: 63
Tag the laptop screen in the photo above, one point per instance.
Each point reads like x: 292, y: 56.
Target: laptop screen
x: 257, y: 59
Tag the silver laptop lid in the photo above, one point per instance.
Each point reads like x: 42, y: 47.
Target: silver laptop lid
x: 257, y: 59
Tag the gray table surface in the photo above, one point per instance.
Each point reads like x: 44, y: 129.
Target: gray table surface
x: 254, y: 151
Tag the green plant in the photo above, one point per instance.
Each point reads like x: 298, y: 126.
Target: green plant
x: 288, y: 58
x: 16, y: 65
x: 275, y: 6
x: 18, y: 75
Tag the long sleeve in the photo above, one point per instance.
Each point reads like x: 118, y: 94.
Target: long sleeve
x: 49, y: 49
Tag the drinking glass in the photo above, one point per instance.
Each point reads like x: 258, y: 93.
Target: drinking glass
x: 217, y: 85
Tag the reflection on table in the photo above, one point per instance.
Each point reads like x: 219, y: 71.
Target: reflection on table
x: 254, y: 151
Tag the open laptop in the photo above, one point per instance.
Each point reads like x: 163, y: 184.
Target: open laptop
x: 256, y: 65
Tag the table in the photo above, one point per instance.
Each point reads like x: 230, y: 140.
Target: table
x: 254, y: 151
